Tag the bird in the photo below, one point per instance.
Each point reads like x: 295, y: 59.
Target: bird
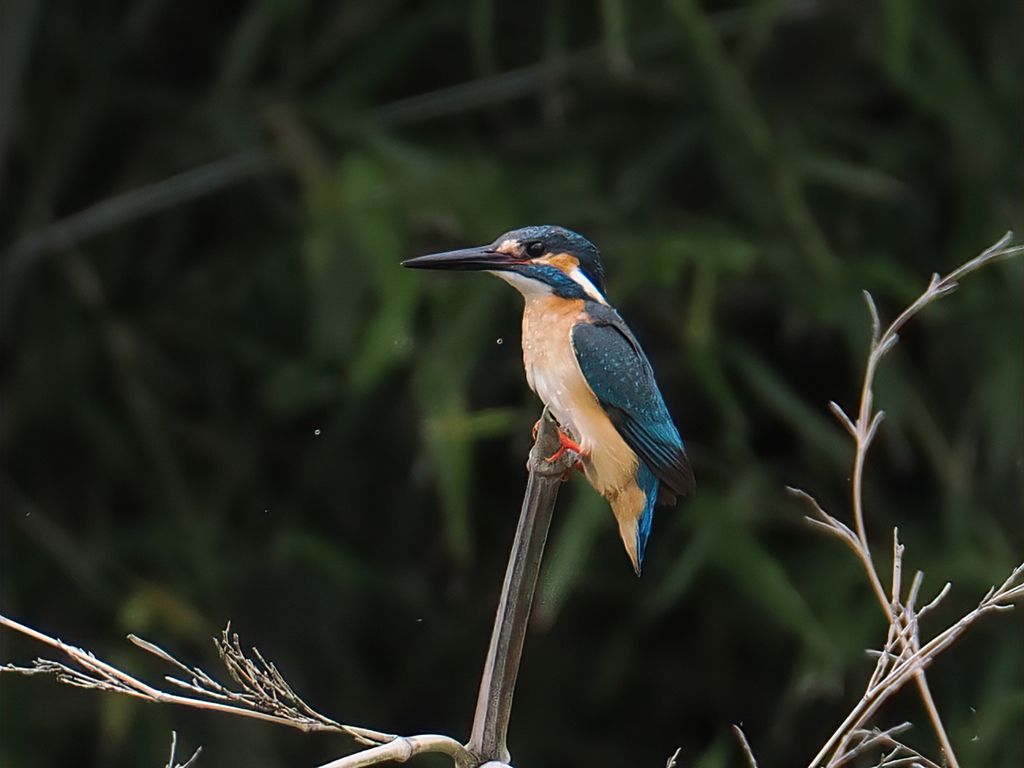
x: 589, y: 370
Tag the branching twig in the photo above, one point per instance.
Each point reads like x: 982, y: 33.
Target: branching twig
x: 903, y: 656
x: 263, y: 693
x: 899, y: 754
x: 902, y: 666
x: 868, y: 420
x: 171, y: 763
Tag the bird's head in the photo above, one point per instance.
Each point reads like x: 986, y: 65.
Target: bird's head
x: 537, y: 260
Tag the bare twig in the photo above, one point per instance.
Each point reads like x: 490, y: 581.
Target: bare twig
x: 261, y: 691
x: 899, y: 754
x: 867, y: 422
x: 748, y: 753
x: 90, y: 672
x: 903, y: 656
x: 171, y: 762
x: 904, y: 667
x: 264, y: 695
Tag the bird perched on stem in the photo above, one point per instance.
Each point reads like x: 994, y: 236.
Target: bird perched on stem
x: 588, y: 368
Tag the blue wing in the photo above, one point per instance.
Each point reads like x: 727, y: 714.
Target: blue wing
x: 618, y: 371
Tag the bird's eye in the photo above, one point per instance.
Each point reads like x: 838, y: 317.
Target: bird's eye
x: 535, y: 249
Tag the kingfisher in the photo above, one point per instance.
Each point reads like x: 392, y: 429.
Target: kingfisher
x: 585, y: 364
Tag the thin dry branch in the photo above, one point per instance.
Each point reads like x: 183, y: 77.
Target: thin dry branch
x: 899, y: 753
x: 261, y: 691
x: 903, y: 656
x: 868, y: 420
x: 901, y: 666
x: 262, y: 696
x: 748, y: 753
x: 172, y: 762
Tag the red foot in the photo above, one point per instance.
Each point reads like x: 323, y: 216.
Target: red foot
x: 567, y: 444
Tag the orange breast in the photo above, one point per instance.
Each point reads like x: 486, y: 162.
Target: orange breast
x: 555, y: 375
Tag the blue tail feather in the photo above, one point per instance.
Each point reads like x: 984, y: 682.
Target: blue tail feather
x: 649, y: 485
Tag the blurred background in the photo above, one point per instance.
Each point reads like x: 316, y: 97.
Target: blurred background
x: 222, y: 399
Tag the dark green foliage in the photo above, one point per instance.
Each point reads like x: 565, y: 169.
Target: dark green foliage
x: 223, y: 399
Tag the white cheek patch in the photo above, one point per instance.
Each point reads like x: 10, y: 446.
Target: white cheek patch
x: 588, y: 287
x: 529, y: 287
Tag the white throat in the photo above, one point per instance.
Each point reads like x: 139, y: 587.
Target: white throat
x: 530, y: 288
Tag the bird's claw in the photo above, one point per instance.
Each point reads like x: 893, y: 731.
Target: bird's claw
x: 567, y: 444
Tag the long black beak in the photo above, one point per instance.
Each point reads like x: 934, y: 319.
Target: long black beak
x: 465, y: 260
